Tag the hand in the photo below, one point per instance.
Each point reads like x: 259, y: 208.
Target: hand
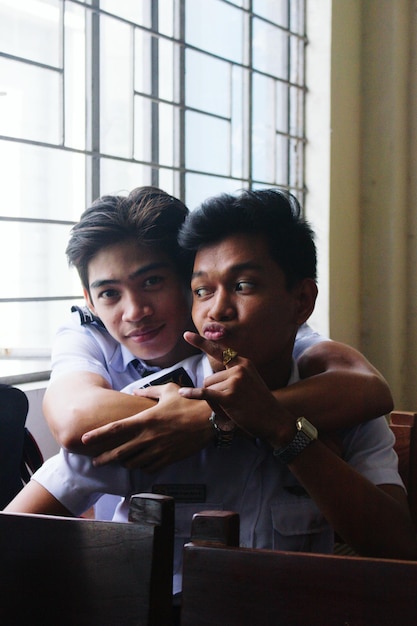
x: 170, y: 431
x: 239, y: 392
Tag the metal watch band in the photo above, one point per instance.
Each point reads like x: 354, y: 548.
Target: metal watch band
x: 306, y: 434
x: 224, y: 438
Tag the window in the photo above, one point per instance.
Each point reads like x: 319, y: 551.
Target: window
x: 100, y: 96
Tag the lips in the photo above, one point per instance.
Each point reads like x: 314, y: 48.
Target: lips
x: 214, y: 332
x: 144, y: 334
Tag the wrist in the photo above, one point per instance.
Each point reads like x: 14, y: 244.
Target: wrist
x: 305, y: 434
x: 224, y: 430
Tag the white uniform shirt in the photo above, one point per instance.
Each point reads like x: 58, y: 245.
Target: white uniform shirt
x: 275, y: 511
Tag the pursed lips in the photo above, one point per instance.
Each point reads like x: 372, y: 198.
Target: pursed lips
x: 214, y: 332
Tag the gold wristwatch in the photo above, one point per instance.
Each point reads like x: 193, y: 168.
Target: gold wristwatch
x: 306, y: 434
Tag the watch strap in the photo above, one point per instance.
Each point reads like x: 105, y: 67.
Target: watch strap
x: 224, y: 437
x: 306, y: 434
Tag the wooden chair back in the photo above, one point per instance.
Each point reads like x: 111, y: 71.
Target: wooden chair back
x: 242, y: 587
x: 71, y: 571
x: 404, y: 427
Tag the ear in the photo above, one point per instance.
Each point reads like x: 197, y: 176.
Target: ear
x: 89, y: 300
x: 306, y: 294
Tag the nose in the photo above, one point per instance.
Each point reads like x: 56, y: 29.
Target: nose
x: 135, y: 308
x: 221, y: 306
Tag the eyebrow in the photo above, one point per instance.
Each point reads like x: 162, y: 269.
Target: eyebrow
x: 139, y: 272
x: 240, y: 267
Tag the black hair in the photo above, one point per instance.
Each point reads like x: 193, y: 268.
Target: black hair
x: 273, y: 214
x: 148, y: 216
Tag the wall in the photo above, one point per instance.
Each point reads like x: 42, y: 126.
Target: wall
x: 35, y: 420
x: 368, y: 194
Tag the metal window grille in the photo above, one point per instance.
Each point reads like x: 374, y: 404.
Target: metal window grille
x: 100, y: 96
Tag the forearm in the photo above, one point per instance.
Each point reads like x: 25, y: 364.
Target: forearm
x: 78, y: 404
x: 337, y: 399
x: 338, y: 388
x: 361, y: 513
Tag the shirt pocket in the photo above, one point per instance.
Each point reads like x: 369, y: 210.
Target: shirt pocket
x: 299, y: 526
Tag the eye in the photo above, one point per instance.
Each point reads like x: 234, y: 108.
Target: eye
x: 245, y: 286
x: 201, y: 292
x: 108, y: 294
x: 153, y: 281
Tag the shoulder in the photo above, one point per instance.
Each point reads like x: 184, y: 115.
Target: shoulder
x: 306, y: 337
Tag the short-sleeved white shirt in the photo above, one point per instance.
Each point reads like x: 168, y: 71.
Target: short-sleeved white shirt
x: 275, y: 511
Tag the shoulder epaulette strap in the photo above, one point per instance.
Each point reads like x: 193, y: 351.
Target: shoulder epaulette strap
x: 86, y: 317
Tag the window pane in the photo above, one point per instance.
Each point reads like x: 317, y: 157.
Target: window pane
x: 30, y: 102
x: 282, y: 107
x: 143, y: 129
x: 75, y: 77
x: 116, y: 88
x: 202, y: 153
x: 274, y: 10
x: 36, y: 262
x: 168, y: 123
x: 132, y: 10
x: 166, y: 75
x: 270, y: 49
x: 263, y: 136
x: 31, y: 326
x: 120, y: 177
x: 208, y: 83
x: 53, y: 182
x: 297, y: 16
x: 30, y: 29
x: 281, y: 174
x: 200, y: 187
x: 216, y: 27
x: 143, y: 68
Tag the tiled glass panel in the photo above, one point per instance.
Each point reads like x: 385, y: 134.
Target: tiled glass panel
x: 263, y: 133
x: 120, y: 177
x: 282, y: 90
x: 166, y: 18
x: 297, y: 61
x: 296, y: 117
x: 296, y: 165
x: 42, y: 273
x: 208, y: 83
x: 166, y: 74
x: 217, y: 27
x: 281, y: 160
x: 270, y: 49
x: 116, y: 88
x: 168, y: 123
x: 42, y: 182
x: 30, y: 104
x: 274, y: 10
x: 200, y: 186
x: 240, y: 128
x: 32, y: 325
x: 135, y: 11
x: 142, y: 129
x: 75, y: 77
x: 297, y: 16
x: 202, y: 152
x: 31, y: 29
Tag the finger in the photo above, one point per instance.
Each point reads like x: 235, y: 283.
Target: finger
x: 107, y: 431
x: 192, y: 393
x: 153, y: 392
x: 224, y: 355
